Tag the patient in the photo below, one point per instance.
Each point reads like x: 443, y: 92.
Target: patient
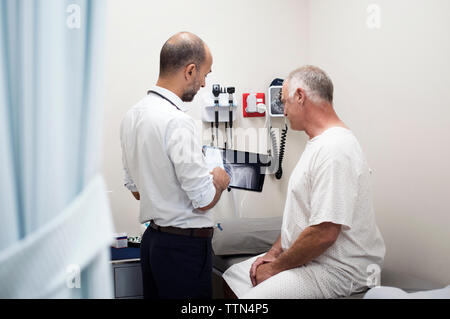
x: 329, y: 236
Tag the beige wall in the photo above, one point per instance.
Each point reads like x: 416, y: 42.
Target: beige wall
x: 391, y: 89
x: 250, y: 47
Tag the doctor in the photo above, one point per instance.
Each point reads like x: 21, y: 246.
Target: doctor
x: 329, y: 235
x: 165, y: 170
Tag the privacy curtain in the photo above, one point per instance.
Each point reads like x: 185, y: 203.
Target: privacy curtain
x: 55, y: 226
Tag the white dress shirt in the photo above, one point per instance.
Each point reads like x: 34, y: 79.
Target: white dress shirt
x: 163, y: 161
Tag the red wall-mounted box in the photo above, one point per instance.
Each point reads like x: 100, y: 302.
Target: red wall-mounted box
x: 260, y: 98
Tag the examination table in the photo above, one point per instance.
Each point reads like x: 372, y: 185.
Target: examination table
x: 243, y: 238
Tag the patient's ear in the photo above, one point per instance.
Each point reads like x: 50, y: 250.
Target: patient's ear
x: 300, y: 96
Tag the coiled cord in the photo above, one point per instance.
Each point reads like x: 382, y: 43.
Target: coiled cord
x: 274, y: 155
x: 279, y: 173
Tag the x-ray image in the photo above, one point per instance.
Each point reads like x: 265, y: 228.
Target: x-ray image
x: 246, y: 170
x: 243, y: 176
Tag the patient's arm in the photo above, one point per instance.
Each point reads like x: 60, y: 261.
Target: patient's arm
x: 311, y: 243
x: 276, y: 249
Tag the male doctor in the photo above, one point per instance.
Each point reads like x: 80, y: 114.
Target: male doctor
x: 165, y: 169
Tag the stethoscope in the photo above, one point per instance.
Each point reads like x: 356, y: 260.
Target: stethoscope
x: 162, y: 96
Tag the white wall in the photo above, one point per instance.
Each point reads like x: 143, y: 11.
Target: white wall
x: 391, y: 88
x: 252, y: 43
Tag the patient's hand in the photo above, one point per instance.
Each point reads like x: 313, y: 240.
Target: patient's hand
x: 267, y: 258
x: 264, y: 272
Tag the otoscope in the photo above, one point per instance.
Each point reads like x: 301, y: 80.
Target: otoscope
x: 231, y: 91
x: 216, y: 93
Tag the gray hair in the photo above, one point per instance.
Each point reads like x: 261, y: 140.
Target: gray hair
x: 314, y: 81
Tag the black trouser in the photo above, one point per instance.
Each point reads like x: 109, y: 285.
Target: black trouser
x: 176, y: 266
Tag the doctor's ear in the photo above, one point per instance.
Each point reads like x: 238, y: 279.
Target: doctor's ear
x: 189, y: 71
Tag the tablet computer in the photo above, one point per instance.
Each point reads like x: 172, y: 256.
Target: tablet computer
x: 246, y: 169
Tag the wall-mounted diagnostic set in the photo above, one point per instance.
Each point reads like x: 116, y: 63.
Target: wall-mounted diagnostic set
x: 247, y: 170
x: 220, y: 107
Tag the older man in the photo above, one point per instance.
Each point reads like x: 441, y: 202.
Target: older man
x: 329, y: 236
x: 166, y: 171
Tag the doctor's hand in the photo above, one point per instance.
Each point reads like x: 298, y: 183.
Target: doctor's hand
x: 221, y: 179
x: 267, y: 258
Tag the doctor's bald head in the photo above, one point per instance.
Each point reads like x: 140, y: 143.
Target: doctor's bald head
x: 179, y: 51
x: 185, y: 62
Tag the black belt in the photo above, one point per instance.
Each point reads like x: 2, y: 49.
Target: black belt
x: 191, y: 232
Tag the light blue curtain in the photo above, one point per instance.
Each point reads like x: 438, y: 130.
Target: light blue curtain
x: 54, y: 211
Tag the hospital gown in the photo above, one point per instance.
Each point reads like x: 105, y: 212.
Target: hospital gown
x: 331, y: 183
